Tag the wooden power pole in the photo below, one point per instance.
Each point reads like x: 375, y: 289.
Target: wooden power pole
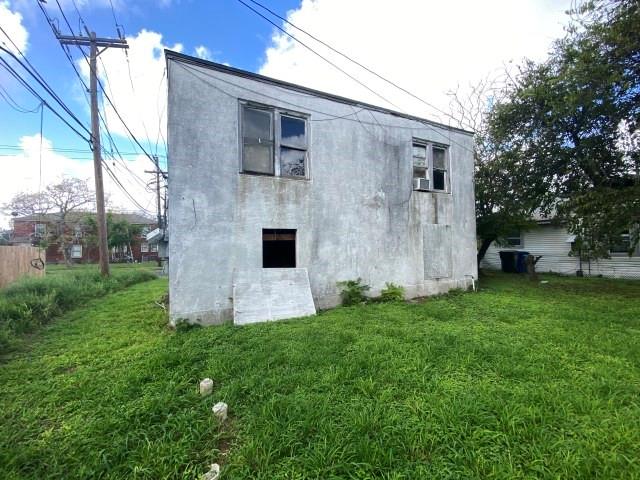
x: 158, y: 172
x: 94, y: 43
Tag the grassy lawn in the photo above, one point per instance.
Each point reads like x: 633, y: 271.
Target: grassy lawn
x: 518, y: 380
x: 61, y: 268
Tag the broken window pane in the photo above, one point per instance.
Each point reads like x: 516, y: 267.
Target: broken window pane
x: 292, y: 132
x: 439, y: 179
x: 257, y: 125
x: 292, y: 162
x: 258, y: 158
x: 439, y: 158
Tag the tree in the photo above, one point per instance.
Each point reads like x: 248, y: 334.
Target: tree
x: 120, y: 233
x: 562, y: 121
x: 60, y: 199
x: 502, y: 207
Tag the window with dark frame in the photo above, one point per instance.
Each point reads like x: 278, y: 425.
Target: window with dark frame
x: 439, y: 162
x: 257, y: 140
x: 274, y: 142
x: 431, y: 163
x: 420, y: 164
x: 622, y: 244
x: 278, y: 248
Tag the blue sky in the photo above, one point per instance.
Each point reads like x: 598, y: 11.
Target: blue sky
x: 231, y: 32
x: 427, y: 47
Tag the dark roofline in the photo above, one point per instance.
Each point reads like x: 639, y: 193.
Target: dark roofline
x: 172, y: 55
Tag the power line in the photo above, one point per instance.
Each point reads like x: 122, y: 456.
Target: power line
x: 329, y: 116
x: 101, y: 86
x: 355, y: 61
x: 26, y: 85
x: 65, y: 150
x: 319, y: 55
x: 13, y: 104
x: 42, y: 83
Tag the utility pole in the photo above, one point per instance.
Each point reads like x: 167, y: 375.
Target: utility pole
x: 93, y: 43
x: 157, y: 171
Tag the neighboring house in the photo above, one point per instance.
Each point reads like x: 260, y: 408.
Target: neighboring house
x: 279, y: 191
x: 32, y: 229
x: 556, y: 245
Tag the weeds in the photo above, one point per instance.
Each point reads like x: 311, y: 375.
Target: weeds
x: 352, y: 292
x: 28, y: 304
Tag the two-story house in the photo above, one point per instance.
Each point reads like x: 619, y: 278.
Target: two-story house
x: 279, y: 191
x: 45, y: 229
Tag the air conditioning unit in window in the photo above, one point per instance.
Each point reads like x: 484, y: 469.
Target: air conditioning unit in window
x: 421, y: 184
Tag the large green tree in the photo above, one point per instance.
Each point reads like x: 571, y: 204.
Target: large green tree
x: 502, y: 206
x: 570, y: 126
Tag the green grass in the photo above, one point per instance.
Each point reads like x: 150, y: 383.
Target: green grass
x: 29, y: 303
x: 61, y: 268
x: 519, y: 380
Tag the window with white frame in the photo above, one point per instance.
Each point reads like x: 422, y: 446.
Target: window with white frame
x: 153, y: 248
x: 76, y: 250
x: 144, y: 247
x: 274, y: 142
x: 430, y: 166
x: 40, y: 228
x: 514, y: 239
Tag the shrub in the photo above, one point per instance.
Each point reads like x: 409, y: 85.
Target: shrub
x: 352, y: 291
x: 30, y: 303
x: 392, y: 293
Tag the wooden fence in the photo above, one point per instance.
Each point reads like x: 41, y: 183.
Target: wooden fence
x: 15, y: 262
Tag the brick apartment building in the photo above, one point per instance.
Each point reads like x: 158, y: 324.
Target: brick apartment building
x: 32, y: 229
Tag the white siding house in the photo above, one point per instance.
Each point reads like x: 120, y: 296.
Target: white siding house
x: 554, y: 243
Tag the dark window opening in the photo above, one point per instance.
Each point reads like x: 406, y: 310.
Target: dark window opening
x: 278, y: 248
x: 439, y: 180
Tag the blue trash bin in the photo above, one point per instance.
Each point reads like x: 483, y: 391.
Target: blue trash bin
x: 521, y: 262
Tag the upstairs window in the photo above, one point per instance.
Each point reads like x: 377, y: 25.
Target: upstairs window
x: 439, y: 155
x: 274, y: 142
x: 430, y: 166
x: 257, y: 141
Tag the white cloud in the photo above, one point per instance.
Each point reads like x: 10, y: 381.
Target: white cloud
x: 429, y: 48
x: 144, y: 106
x: 11, y: 23
x: 202, y: 52
x: 20, y: 173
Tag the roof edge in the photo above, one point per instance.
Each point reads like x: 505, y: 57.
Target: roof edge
x: 173, y: 55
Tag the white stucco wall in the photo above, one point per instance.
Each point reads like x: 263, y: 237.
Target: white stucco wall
x: 356, y: 216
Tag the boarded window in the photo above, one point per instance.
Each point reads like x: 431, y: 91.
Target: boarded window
x: 437, y: 251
